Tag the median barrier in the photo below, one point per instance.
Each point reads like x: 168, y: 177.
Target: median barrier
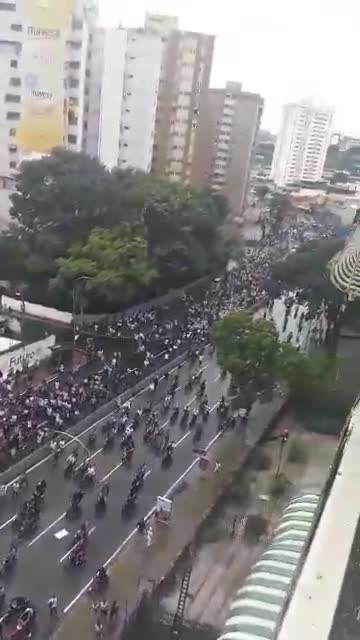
x: 99, y: 414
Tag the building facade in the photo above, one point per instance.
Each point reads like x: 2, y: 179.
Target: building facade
x: 302, y: 143
x: 121, y: 97
x: 184, y: 82
x: 227, y: 131
x: 13, y: 84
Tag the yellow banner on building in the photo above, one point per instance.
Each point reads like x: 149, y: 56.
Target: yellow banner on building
x: 48, y: 14
x: 41, y: 126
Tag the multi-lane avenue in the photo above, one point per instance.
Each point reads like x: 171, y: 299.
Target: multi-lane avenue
x: 42, y: 560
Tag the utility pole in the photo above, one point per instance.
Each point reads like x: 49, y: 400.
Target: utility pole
x: 284, y: 437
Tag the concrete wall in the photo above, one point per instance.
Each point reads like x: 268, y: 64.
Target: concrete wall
x: 27, y: 354
x: 36, y: 310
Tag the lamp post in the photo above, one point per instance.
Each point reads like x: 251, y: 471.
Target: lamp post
x: 71, y: 438
x: 74, y: 298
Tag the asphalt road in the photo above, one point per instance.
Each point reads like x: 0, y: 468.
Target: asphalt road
x: 41, y: 568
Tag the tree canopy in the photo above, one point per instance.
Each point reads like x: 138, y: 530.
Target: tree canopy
x: 71, y: 218
x: 306, y: 269
x: 251, y: 352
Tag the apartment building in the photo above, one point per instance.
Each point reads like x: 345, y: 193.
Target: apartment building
x: 184, y: 82
x: 302, y: 143
x: 226, y: 137
x: 15, y: 83
x: 121, y: 97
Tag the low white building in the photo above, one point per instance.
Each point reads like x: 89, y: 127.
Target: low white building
x: 120, y: 106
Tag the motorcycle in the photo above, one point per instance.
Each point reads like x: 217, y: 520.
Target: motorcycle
x: 91, y: 441
x: 109, y: 442
x: 101, y: 504
x: 185, y: 416
x: 175, y: 414
x: 193, y: 419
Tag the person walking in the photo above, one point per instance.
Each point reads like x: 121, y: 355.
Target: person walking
x: 52, y: 604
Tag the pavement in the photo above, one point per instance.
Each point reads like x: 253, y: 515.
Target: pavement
x: 41, y: 568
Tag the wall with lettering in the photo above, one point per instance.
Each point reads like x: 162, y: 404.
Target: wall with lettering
x: 28, y: 355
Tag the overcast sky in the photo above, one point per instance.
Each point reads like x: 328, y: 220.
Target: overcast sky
x: 284, y: 49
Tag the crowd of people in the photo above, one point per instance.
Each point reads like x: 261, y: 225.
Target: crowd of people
x: 161, y: 333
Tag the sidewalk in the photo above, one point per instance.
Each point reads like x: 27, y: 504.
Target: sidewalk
x: 142, y: 567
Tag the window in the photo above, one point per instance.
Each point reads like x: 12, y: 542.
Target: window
x: 12, y: 164
x: 76, y: 23
x: 13, y: 115
x: 131, y: 75
x: 15, y: 82
x: 72, y: 139
x: 7, y: 6
x: 128, y: 110
x: 74, y: 64
x: 126, y: 128
x: 73, y: 102
x: 12, y: 132
x: 11, y: 97
x: 87, y: 91
x: 12, y: 148
x: 129, y: 93
x: 14, y: 64
x: 73, y: 83
x: 16, y: 27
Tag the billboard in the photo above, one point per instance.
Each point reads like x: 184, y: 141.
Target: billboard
x: 46, y: 23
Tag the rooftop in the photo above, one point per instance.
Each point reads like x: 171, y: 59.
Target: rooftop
x: 326, y: 602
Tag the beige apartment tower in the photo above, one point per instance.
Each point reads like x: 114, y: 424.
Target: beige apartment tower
x: 226, y: 135
x: 184, y: 82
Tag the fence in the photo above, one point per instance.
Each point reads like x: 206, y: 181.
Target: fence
x: 64, y: 317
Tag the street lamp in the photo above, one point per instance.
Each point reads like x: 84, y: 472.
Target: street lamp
x: 71, y: 438
x: 74, y: 297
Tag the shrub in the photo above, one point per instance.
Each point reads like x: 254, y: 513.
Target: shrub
x: 278, y: 485
x: 298, y: 451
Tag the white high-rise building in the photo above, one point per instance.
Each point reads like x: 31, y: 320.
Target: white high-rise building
x: 12, y: 84
x: 121, y: 97
x: 302, y: 143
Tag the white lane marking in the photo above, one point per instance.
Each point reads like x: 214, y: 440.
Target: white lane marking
x: 66, y: 555
x: 111, y: 472
x: 134, y: 531
x: 214, y: 407
x: 5, y: 524
x: 44, y: 531
x: 90, y: 427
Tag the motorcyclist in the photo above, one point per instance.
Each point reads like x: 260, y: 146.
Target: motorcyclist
x: 77, y: 498
x: 90, y: 472
x: 101, y: 575
x: 72, y: 459
x: 141, y: 526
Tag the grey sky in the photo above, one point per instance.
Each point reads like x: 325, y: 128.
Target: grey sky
x: 283, y: 49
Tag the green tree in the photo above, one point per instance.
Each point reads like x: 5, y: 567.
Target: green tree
x: 184, y: 231
x: 249, y: 350
x: 66, y: 194
x: 115, y: 261
x: 62, y: 197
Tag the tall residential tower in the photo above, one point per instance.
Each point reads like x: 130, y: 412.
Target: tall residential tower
x: 302, y: 143
x: 227, y: 130
x: 184, y: 82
